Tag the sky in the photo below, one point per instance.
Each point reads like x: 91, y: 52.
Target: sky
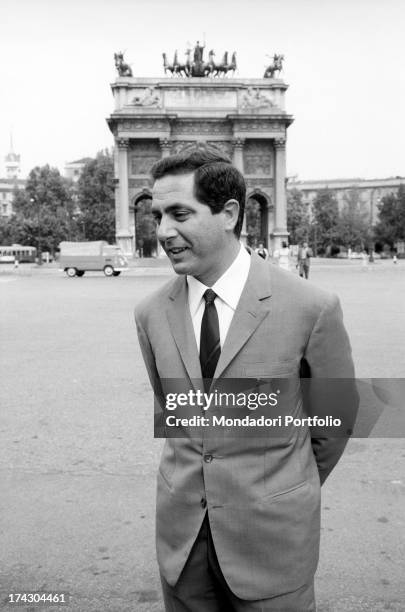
x: 344, y: 64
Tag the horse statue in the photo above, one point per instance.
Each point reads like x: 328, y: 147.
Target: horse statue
x: 183, y: 69
x: 229, y: 67
x: 221, y: 67
x: 210, y: 66
x: 176, y: 68
x: 233, y: 65
x: 276, y: 66
x: 122, y: 68
x: 166, y: 65
x: 187, y: 65
x: 224, y: 67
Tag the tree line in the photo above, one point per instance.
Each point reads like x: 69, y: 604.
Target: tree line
x: 52, y: 208
x: 327, y: 228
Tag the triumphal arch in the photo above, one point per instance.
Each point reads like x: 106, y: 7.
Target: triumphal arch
x: 155, y: 117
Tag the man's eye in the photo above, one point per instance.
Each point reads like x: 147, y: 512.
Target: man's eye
x: 181, y: 215
x: 156, y: 219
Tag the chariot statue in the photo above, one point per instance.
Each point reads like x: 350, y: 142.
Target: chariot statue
x: 194, y: 64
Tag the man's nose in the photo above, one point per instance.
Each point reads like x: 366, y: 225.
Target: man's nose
x: 166, y: 229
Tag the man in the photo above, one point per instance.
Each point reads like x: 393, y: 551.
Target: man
x: 238, y: 519
x: 262, y: 251
x: 303, y: 260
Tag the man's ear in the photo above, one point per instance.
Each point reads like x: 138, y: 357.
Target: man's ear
x: 231, y: 210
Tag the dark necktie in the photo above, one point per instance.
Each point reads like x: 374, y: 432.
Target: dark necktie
x: 210, y: 346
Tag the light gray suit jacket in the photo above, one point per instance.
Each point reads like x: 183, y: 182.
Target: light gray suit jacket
x: 262, y: 494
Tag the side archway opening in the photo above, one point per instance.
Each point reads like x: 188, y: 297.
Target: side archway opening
x: 257, y: 222
x: 145, y: 228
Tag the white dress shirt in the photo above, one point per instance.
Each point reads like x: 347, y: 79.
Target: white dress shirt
x: 228, y: 288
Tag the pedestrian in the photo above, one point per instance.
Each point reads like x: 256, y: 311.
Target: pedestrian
x: 238, y: 519
x: 262, y: 251
x: 282, y: 256
x: 303, y: 260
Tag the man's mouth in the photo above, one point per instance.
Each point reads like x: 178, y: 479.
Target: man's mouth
x: 177, y: 250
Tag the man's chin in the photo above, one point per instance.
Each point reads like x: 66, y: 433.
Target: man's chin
x: 181, y: 263
x: 181, y: 267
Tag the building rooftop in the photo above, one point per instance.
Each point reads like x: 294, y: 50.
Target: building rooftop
x: 344, y: 181
x: 12, y: 181
x: 83, y: 160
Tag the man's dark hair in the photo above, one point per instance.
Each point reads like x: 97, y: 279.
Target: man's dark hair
x: 216, y: 180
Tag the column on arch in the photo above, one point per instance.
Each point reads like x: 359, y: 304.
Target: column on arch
x: 280, y: 204
x: 124, y: 236
x: 238, y: 145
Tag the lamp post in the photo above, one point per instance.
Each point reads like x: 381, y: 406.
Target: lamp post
x: 39, y: 250
x: 371, y: 247
x: 315, y: 237
x: 371, y: 233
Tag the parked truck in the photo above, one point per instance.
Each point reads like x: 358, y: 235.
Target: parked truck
x: 76, y: 258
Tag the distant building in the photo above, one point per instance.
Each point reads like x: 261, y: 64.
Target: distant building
x: 12, y: 162
x: 370, y: 191
x: 7, y: 187
x: 8, y: 184
x: 74, y: 169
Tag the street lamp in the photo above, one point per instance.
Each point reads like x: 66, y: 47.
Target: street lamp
x: 39, y: 250
x: 315, y: 237
x: 371, y: 232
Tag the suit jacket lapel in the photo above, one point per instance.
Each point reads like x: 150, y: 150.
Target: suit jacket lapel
x: 253, y: 307
x: 181, y: 326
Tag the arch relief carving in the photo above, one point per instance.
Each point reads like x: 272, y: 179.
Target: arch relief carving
x: 202, y: 127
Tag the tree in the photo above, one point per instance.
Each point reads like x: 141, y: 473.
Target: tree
x: 391, y: 222
x: 43, y: 211
x: 95, y: 198
x: 298, y: 219
x: 324, y: 225
x: 353, y: 227
x: 6, y: 231
x: 46, y: 187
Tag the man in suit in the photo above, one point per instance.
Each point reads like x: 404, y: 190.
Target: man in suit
x: 238, y: 518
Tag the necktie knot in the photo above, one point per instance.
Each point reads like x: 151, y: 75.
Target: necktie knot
x: 209, y: 296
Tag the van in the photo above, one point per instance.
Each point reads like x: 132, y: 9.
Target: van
x: 76, y: 258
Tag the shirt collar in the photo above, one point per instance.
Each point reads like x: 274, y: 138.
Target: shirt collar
x: 228, y: 287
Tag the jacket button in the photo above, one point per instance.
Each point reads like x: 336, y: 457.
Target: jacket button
x: 203, y: 502
x: 208, y: 458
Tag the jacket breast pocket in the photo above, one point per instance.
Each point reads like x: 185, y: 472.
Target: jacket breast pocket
x: 262, y: 369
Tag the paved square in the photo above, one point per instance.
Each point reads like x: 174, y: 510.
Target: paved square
x: 78, y: 458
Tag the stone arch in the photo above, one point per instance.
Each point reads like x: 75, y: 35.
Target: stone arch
x: 144, y: 225
x: 257, y: 218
